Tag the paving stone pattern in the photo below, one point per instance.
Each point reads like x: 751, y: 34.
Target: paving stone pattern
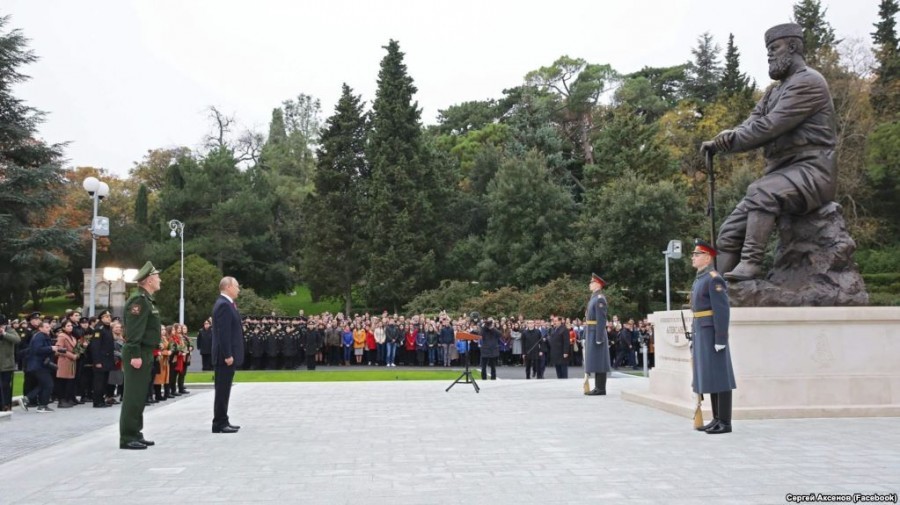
x: 403, y: 443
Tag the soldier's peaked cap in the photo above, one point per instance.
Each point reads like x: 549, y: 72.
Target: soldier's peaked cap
x: 596, y: 278
x: 146, y: 271
x: 704, y: 246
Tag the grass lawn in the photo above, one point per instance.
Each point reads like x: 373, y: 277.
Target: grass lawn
x: 330, y: 376
x: 290, y: 305
x: 18, y: 377
x: 55, y: 306
x: 307, y: 376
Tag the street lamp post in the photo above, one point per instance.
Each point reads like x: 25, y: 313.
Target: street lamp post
x: 177, y: 228
x: 673, y: 250
x: 99, y: 228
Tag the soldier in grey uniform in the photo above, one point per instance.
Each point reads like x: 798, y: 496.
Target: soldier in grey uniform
x: 713, y: 374
x: 794, y: 124
x: 596, y: 345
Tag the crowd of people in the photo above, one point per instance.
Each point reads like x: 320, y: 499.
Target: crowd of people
x: 77, y: 360
x: 276, y: 343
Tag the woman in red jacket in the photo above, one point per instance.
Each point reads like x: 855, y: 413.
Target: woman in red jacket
x: 370, y: 345
x: 409, y: 344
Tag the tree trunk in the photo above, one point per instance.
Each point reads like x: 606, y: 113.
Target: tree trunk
x: 586, y: 146
x: 36, y: 298
x: 348, y: 301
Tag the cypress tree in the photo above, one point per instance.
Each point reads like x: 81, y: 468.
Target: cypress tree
x: 885, y: 95
x: 333, y: 256
x: 704, y: 73
x: 405, y: 193
x: 140, y: 206
x: 734, y: 82
x: 277, y: 131
x: 818, y: 35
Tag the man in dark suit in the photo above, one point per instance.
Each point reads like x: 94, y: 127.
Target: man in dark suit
x: 559, y: 347
x: 227, y: 351
x: 534, y: 353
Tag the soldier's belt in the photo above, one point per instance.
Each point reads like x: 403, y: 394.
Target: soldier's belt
x: 703, y: 313
x: 590, y: 322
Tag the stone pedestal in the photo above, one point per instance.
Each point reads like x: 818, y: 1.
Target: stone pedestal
x: 789, y: 362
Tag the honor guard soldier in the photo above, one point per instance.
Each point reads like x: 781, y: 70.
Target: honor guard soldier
x: 596, y: 343
x: 713, y: 374
x: 273, y: 347
x: 142, y: 336
x: 291, y: 347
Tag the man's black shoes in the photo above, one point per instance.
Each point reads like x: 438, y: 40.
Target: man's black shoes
x: 596, y: 392
x: 719, y: 428
x: 225, y: 429
x: 146, y: 442
x: 234, y: 426
x: 134, y: 445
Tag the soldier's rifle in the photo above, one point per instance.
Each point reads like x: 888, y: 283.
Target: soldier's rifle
x: 698, y: 412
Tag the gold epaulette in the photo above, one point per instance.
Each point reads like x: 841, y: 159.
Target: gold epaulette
x: 713, y: 273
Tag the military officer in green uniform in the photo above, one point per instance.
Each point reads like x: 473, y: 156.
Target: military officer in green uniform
x: 142, y: 325
x: 713, y: 373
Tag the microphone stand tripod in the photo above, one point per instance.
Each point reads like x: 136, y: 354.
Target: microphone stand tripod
x: 467, y: 374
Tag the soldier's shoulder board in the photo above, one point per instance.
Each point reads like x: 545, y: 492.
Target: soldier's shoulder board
x: 713, y: 274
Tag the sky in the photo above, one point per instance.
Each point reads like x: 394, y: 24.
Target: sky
x: 120, y: 77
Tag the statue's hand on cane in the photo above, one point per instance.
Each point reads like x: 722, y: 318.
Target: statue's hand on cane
x: 721, y: 143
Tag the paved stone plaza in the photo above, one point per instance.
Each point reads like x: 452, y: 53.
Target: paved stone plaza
x: 518, y: 442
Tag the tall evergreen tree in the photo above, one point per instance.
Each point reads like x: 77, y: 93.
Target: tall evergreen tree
x: 734, y: 82
x: 705, y: 72
x: 287, y: 164
x: 140, y: 206
x: 627, y: 143
x: 818, y: 35
x: 31, y: 184
x: 623, y: 227
x: 277, y: 131
x: 405, y: 194
x: 334, y: 256
x: 885, y: 94
x: 528, y: 228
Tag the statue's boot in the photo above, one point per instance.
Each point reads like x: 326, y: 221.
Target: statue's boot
x: 726, y: 261
x: 759, y: 227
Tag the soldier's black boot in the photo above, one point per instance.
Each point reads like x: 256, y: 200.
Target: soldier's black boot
x: 759, y: 227
x: 724, y: 425
x: 714, y: 402
x: 599, y: 385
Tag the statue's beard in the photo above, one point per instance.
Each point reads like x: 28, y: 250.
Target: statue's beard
x: 779, y: 68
